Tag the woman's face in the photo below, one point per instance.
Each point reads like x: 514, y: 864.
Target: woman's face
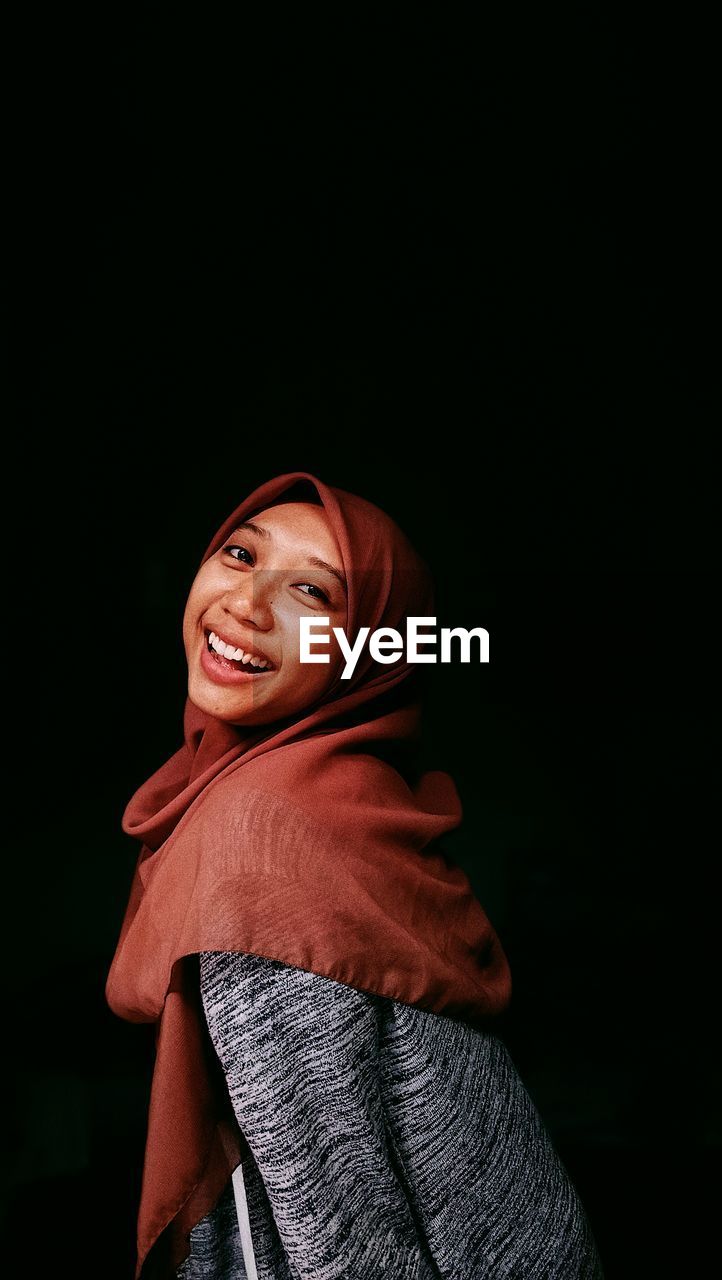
x: 282, y: 565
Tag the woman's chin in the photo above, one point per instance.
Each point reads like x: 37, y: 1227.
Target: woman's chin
x: 242, y: 709
x: 218, y: 702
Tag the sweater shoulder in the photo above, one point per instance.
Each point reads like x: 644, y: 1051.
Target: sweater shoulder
x: 245, y: 976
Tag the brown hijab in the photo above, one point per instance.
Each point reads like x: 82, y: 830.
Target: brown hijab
x: 311, y: 843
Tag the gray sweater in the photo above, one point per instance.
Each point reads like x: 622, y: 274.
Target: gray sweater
x: 385, y: 1141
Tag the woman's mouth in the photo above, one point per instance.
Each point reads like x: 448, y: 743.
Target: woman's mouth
x: 228, y: 665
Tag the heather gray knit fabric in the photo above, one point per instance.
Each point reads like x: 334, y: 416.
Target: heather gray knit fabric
x: 386, y: 1142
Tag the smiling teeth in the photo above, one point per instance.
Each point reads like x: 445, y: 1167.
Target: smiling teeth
x: 236, y: 655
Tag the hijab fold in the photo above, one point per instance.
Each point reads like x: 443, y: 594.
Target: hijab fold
x: 306, y: 842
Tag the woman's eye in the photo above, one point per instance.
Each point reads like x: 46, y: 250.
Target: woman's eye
x: 308, y: 588
x: 244, y: 550
x: 321, y: 595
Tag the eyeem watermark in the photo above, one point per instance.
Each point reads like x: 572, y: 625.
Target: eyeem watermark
x: 388, y: 645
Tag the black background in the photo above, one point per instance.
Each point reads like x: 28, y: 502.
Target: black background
x: 459, y: 270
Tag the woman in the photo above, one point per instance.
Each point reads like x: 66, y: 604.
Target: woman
x: 329, y: 1100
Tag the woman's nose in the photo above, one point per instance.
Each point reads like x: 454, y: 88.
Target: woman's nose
x: 252, y: 600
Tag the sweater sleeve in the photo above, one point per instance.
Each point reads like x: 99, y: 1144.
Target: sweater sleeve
x: 300, y: 1056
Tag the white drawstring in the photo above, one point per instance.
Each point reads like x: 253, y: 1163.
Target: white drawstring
x: 244, y: 1225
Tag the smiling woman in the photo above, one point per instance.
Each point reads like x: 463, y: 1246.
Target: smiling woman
x: 329, y: 1099
x: 241, y: 623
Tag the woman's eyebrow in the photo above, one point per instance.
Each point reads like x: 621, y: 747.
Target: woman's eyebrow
x: 249, y: 526
x: 323, y: 564
x: 253, y: 528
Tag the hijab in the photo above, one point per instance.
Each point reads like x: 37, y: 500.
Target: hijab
x: 311, y: 841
